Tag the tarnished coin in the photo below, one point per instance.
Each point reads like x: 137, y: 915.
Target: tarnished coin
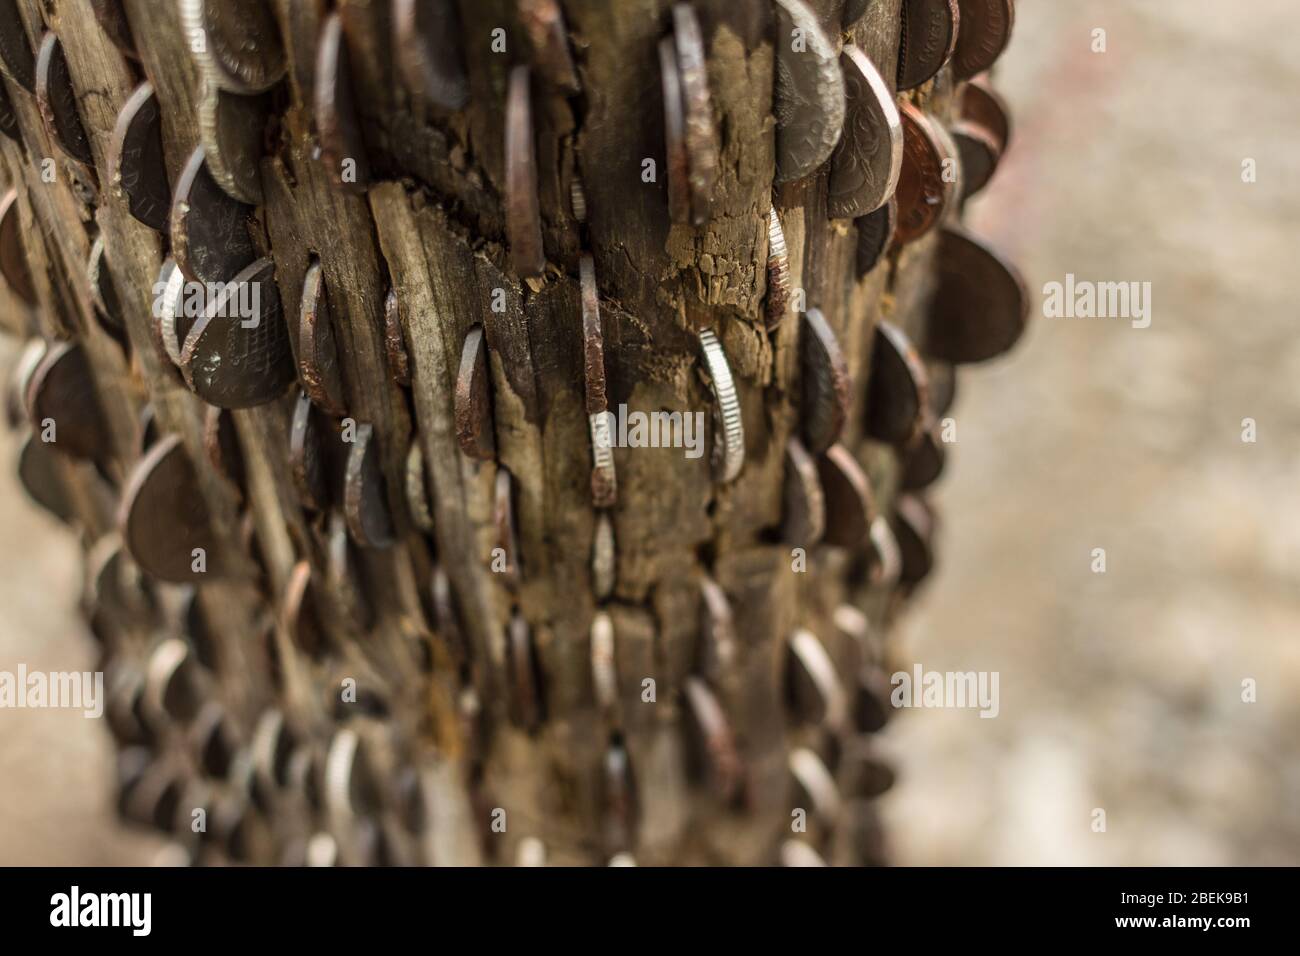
x: 928, y: 37
x: 712, y: 740
x: 778, y: 272
x: 984, y: 34
x: 173, y: 320
x: 310, y: 436
x: 523, y: 213
x: 980, y: 308
x: 796, y: 853
x: 867, y: 161
x: 112, y: 20
x: 849, y: 506
x: 503, y: 521
x: 604, y: 482
x: 417, y: 491
x: 525, y: 692
x: 809, y: 101
x: 604, y: 560
x: 57, y: 101
x: 888, y: 564
x: 232, y: 128
x: 678, y: 171
x: 342, y: 149
x: 923, y: 461
x: 825, y: 383
x: 64, y: 405
x: 425, y: 34
x: 875, y: 233
x: 913, y: 525
x: 365, y: 494
x: 399, y: 362
x: 897, y: 387
x: 13, y: 257
x: 103, y: 294
x: 815, y: 787
x: 237, y: 354
x: 298, y: 611
x: 979, y: 155
x: 980, y: 104
x: 210, y: 240
x: 804, y: 517
x: 702, y: 146
x: 813, y: 687
x: 164, y: 519
x: 473, y: 399
x: 221, y: 445
x: 925, y: 186
x: 318, y: 357
x: 604, y: 674
x: 728, y: 425
x: 235, y: 42
x: 16, y: 58
x: 42, y: 478
x: 718, y: 640
x: 866, y: 772
x: 135, y: 159
x: 8, y: 118
x: 543, y: 22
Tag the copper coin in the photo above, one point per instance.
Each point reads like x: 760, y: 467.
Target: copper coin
x: 237, y: 354
x: 232, y: 128
x: 236, y: 43
x: 523, y: 214
x: 163, y: 517
x: 298, y: 611
x: 943, y: 386
x: 175, y: 311
x: 525, y: 692
x: 897, y: 387
x: 980, y: 308
x: 221, y: 445
x: 604, y: 482
x: 979, y: 155
x: 42, y: 478
x: 343, y: 151
x: 923, y: 461
x: 543, y: 22
x: 112, y: 20
x: 702, y: 146
x: 866, y: 162
x: 350, y: 786
x: 135, y: 159
x: 213, y: 739
x: 57, y: 101
x: 8, y: 118
x: 849, y: 506
x: 913, y: 525
x: 804, y: 516
x: 928, y: 38
x: 428, y: 56
x: 503, y: 520
x: 17, y: 411
x: 16, y: 57
x: 712, y: 740
x: 13, y: 257
x: 812, y: 685
x: 342, y: 574
x: 210, y: 240
x: 103, y: 294
x: 980, y: 104
x: 473, y: 400
x: 148, y: 431
x: 875, y: 233
x: 417, y: 491
x: 825, y: 383
x: 678, y: 165
x: 984, y: 34
x: 923, y: 189
x: 318, y: 358
x: 170, y: 279
x: 309, y: 465
x: 62, y: 391
x: 399, y: 362
x: 808, y: 102
x: 871, y: 706
x: 365, y: 494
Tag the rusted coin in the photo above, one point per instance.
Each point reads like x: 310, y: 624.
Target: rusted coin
x: 728, y: 425
x: 237, y: 354
x: 809, y: 101
x: 417, y: 491
x: 849, y: 506
x: 235, y: 42
x: 923, y: 461
x: 980, y: 104
x: 866, y: 162
x: 64, y: 406
x: 214, y: 740
x: 103, y: 294
x: 13, y: 257
x: 365, y: 495
x: 221, y: 445
x: 984, y: 34
x: 503, y: 520
x: 318, y: 357
x: 232, y: 128
x: 298, y: 611
x: 523, y: 214
x: 712, y: 740
x: 888, y: 562
x: 718, y: 641
x: 702, y: 146
x: 814, y: 688
x: 604, y: 481
x: 913, y: 524
x: 16, y: 58
x: 164, y: 519
x: 815, y: 787
x: 928, y: 37
x: 778, y: 272
x: 577, y: 199
x: 8, y: 118
x: 825, y: 383
x: 343, y: 151
x: 604, y: 566
x: 924, y: 190
x: 57, y: 101
x: 980, y: 308
x: 114, y: 586
x: 309, y: 433
x: 112, y: 20
x: 543, y: 22
x: 978, y: 151
x: 351, y: 789
x: 399, y: 362
x: 525, y: 692
x: 428, y: 56
x: 678, y: 169
x: 135, y: 159
x: 897, y: 389
x: 210, y: 240
x: 42, y: 478
x: 604, y: 674
x: 875, y: 233
x: 473, y: 399
x: 803, y: 519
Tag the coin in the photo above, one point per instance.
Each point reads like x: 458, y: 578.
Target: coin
x: 875, y: 233
x: 365, y: 495
x: 428, y: 56
x: 42, y: 478
x: 237, y: 354
x: 103, y: 294
x: 343, y: 151
x: 697, y: 107
x: 298, y: 611
x: 923, y: 461
x: 979, y: 155
x: 318, y: 358
x: 866, y: 162
x: 163, y: 517
x: 804, y: 516
x: 923, y: 189
x: 231, y: 128
x: 812, y: 684
x: 824, y: 375
x: 896, y: 388
x: 16, y: 57
x: 308, y: 455
x: 417, y: 492
x: 678, y: 165
x: 913, y: 525
x: 503, y: 521
x: 62, y: 391
x: 815, y: 787
x: 980, y: 308
x: 235, y: 42
x: 399, y: 363
x: 543, y: 22
x: 272, y: 745
x: 984, y: 34
x: 135, y: 159
x: 728, y: 425
x: 8, y: 118
x: 210, y: 240
x: 604, y: 675
x: 473, y: 399
x: 928, y: 37
x: 604, y: 481
x: 112, y: 20
x: 980, y: 104
x: 849, y: 506
x: 778, y: 272
x: 13, y: 257
x: 523, y: 215
x: 809, y: 101
x: 525, y: 694
x: 221, y: 445
x: 604, y: 565
x: 57, y: 101
x: 713, y: 740
x: 943, y: 386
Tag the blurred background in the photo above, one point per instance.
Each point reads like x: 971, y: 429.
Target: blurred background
x: 1120, y: 691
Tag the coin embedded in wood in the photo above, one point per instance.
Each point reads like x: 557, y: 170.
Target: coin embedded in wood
x: 13, y: 257
x: 815, y: 787
x: 980, y: 104
x: 809, y: 101
x: 365, y: 494
x: 728, y: 426
x: 849, y: 506
x: 678, y: 169
x: 604, y: 674
x: 42, y: 478
x: 473, y: 399
x: 112, y: 20
x: 804, y: 515
x: 866, y: 162
x: 428, y: 56
x: 778, y: 272
x: 825, y: 383
x: 913, y: 525
x: 897, y: 389
x: 875, y: 233
x: 235, y: 42
x: 343, y: 151
x: 923, y: 461
x: 135, y: 159
x: 171, y: 323
x: 164, y: 518
x: 8, y: 118
x: 232, y: 128
x: 16, y: 58
x: 697, y: 108
x: 62, y: 392
x: 17, y: 411
x: 984, y: 34
x: 525, y: 694
x: 221, y: 445
x: 924, y: 190
x: 813, y: 686
x: 417, y: 491
x: 237, y: 354
x: 210, y: 240
x: 980, y: 308
x: 543, y: 22
x: 713, y: 740
x: 318, y: 357
x: 310, y: 436
x: 298, y: 611
x: 57, y: 101
x: 523, y: 213
x: 399, y: 362
x: 979, y: 155
x: 604, y: 481
x: 928, y: 37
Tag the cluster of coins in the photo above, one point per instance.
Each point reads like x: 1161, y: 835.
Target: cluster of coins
x: 316, y: 332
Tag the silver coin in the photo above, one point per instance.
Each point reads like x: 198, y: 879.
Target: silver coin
x: 809, y: 99
x: 231, y: 128
x: 729, y: 427
x: 778, y: 271
x: 235, y: 42
x: 869, y: 157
